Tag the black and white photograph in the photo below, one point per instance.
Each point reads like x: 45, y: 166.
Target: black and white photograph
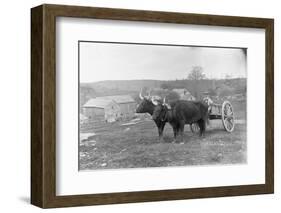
x: 148, y: 105
x: 161, y: 105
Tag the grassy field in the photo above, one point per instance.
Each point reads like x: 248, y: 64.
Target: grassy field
x: 136, y: 145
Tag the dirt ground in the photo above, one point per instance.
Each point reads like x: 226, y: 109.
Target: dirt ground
x: 135, y: 144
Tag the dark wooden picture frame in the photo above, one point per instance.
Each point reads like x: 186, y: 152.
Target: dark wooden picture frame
x: 43, y: 105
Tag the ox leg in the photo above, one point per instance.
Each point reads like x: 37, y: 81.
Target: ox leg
x: 175, y: 130
x: 202, y: 126
x: 181, y: 131
x: 160, y: 131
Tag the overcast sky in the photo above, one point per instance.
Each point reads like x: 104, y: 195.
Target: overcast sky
x: 112, y: 61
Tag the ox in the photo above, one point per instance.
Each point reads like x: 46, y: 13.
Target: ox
x: 147, y: 105
x: 182, y: 112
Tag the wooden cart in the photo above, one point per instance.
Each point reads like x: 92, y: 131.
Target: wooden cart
x: 222, y: 111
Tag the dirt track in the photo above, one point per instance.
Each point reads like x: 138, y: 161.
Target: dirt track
x: 137, y: 145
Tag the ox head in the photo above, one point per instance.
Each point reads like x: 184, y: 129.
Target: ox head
x: 160, y: 111
x: 147, y: 104
x: 208, y: 101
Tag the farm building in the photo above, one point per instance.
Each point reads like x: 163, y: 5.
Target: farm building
x: 126, y: 103
x: 184, y: 94
x: 110, y: 108
x: 101, y: 110
x: 83, y: 118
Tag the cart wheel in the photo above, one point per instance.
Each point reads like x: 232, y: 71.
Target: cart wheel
x: 194, y: 128
x: 227, y: 116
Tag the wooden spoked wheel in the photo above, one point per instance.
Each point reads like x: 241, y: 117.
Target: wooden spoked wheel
x: 227, y: 116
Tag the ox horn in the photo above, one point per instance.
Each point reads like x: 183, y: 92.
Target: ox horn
x: 149, y: 93
x: 165, y: 104
x: 141, y: 97
x: 153, y: 101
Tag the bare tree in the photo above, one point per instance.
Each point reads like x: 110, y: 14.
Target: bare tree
x: 196, y: 73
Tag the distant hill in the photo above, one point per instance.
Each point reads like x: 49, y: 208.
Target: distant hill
x: 221, y: 87
x: 86, y: 93
x: 120, y: 86
x: 125, y: 85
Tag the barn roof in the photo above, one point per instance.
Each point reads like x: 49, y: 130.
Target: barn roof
x: 98, y: 103
x: 181, y: 91
x: 119, y: 99
x: 188, y: 97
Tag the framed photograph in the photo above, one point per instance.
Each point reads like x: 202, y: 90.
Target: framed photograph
x: 137, y: 106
